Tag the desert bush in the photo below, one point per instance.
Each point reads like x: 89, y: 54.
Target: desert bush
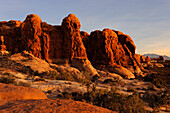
x: 85, y: 80
x: 157, y: 100
x: 109, y: 99
x: 66, y: 76
x: 152, y: 87
x: 26, y: 70
x: 131, y: 89
x: 95, y: 77
x: 20, y: 83
x: 158, y: 82
x: 7, y: 74
x: 115, y: 101
x: 11, y: 80
x: 7, y: 80
x: 54, y: 75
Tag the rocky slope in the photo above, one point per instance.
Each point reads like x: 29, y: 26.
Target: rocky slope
x: 64, y: 44
x: 57, y: 81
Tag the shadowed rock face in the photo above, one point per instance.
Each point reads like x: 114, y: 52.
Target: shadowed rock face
x: 12, y: 34
x: 66, y: 44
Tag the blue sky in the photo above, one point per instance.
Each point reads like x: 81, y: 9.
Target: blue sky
x: 146, y: 21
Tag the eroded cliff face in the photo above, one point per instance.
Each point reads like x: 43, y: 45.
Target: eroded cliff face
x: 110, y: 47
x: 31, y: 34
x: 66, y: 44
x: 111, y: 50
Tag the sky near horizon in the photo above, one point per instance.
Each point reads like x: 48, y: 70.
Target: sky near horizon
x: 146, y: 21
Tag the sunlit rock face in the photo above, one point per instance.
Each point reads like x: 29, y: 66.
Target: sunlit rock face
x: 65, y: 43
x: 110, y: 47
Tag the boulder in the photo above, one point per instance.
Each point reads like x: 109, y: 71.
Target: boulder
x: 85, y: 66
x: 122, y: 71
x: 12, y: 92
x: 158, y: 65
x: 107, y: 74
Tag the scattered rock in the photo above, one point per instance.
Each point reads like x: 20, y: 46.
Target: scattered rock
x: 122, y: 71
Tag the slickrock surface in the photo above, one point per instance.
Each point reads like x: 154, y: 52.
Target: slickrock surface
x: 50, y: 106
x: 12, y: 92
x: 28, y: 60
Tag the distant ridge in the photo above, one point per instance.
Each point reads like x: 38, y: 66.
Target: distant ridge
x: 151, y: 55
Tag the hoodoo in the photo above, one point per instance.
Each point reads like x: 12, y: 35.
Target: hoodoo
x: 106, y: 50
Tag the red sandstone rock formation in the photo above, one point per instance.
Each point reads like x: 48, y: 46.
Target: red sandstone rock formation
x: 31, y: 34
x: 148, y: 59
x: 160, y: 58
x: 12, y: 34
x: 73, y: 44
x: 65, y: 43
x: 137, y: 57
x: 109, y: 47
x: 142, y: 58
